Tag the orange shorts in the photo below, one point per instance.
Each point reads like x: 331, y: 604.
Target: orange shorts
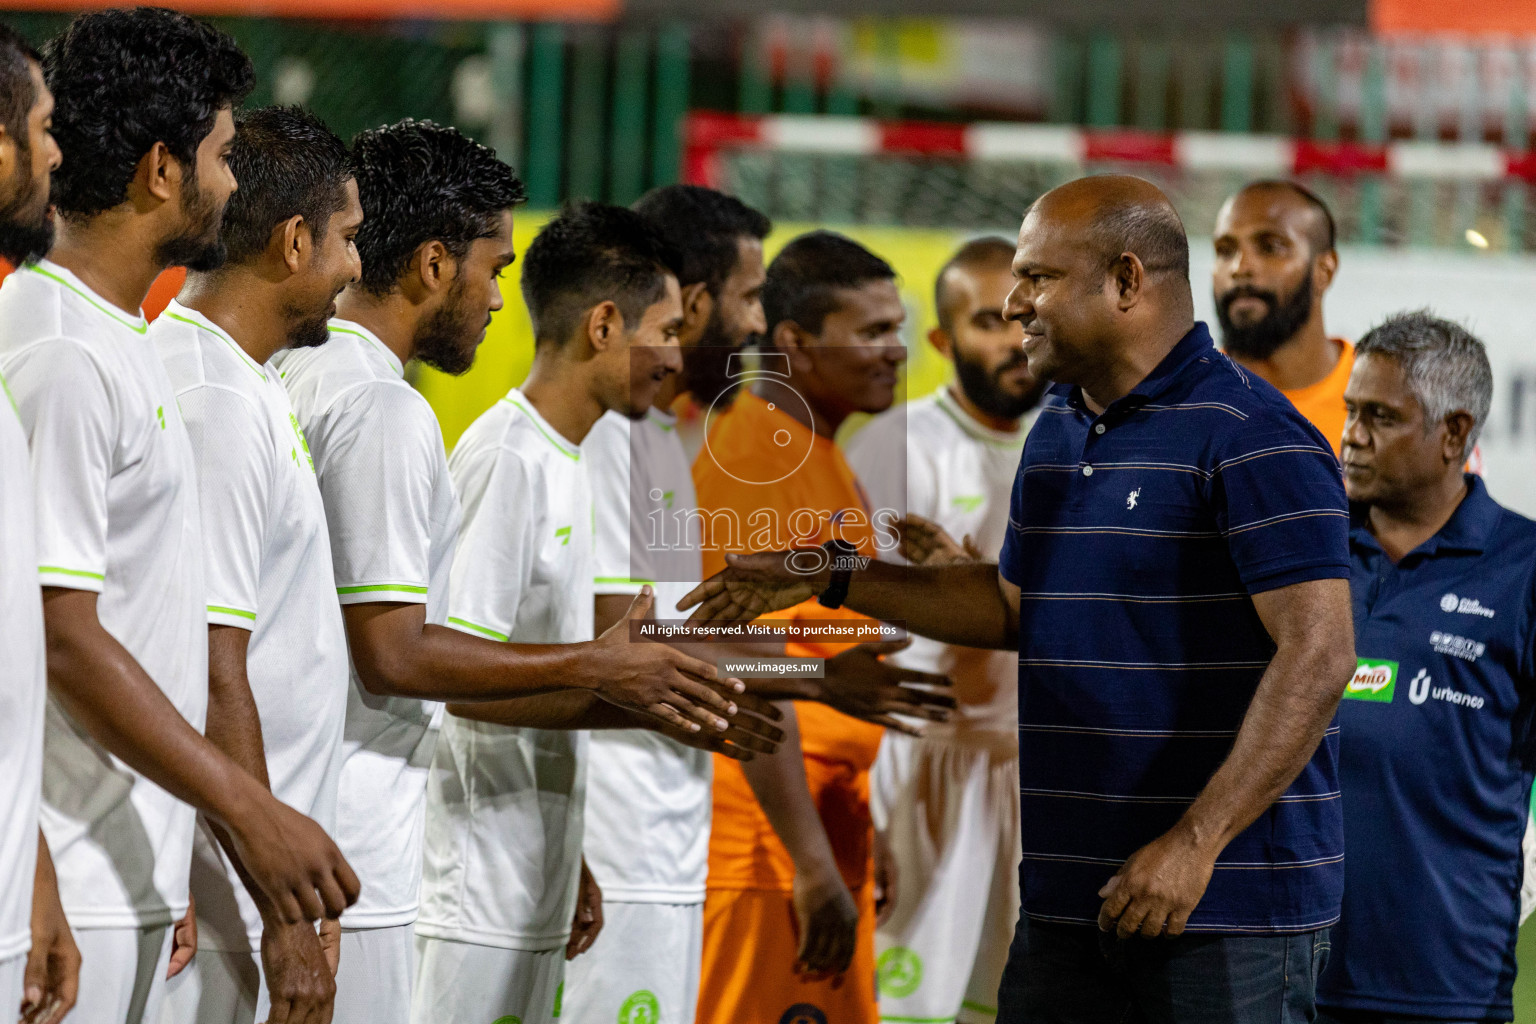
x: 750, y: 939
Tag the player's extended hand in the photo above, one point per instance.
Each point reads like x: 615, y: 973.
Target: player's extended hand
x: 298, y: 868
x: 827, y: 919
x: 299, y: 979
x: 51, y: 979
x: 1157, y: 889
x: 753, y: 585
x: 860, y: 683
x: 183, y: 941
x: 658, y: 680
x: 752, y: 731
x: 924, y: 542
x: 589, y: 915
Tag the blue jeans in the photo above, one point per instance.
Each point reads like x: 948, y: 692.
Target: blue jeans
x: 1075, y: 974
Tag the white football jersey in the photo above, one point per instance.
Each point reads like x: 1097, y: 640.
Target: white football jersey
x: 504, y: 805
x: 23, y: 685
x: 393, y: 519
x: 267, y: 557
x: 648, y: 797
x: 117, y: 513
x: 960, y: 474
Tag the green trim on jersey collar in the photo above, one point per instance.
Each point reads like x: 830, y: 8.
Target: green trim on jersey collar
x: 979, y: 431
x: 562, y: 446
x: 213, y: 328
x: 7, y: 387
x: 394, y: 360
x: 142, y: 327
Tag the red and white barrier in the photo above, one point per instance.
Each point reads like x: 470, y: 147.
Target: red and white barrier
x: 707, y: 134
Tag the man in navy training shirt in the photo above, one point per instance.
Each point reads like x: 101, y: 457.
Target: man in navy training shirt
x: 1436, y: 725
x: 1174, y: 574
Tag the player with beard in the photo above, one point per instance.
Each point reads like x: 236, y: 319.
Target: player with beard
x: 277, y: 652
x: 436, y: 235
x: 942, y: 947
x: 723, y: 307
x: 144, y: 122
x: 1275, y: 259
x: 39, y: 962
x: 644, y: 784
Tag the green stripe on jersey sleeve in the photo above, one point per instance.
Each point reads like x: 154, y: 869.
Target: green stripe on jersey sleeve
x: 241, y: 612
x: 399, y: 588
x: 473, y: 628
x: 59, y: 570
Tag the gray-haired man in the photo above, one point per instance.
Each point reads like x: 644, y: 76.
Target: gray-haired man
x: 1435, y: 753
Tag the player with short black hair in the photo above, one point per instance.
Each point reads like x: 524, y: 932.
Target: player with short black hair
x: 1275, y: 260
x: 40, y: 971
x: 445, y: 203
x: 277, y: 652
x: 799, y: 894
x: 497, y: 924
x: 144, y: 121
x: 721, y: 242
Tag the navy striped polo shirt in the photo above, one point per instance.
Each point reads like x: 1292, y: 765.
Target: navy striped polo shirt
x: 1137, y: 539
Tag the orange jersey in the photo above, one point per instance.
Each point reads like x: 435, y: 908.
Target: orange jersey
x: 1323, y: 403
x: 765, y: 481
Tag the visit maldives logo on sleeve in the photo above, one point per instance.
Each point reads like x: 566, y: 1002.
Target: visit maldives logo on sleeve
x: 1373, y: 680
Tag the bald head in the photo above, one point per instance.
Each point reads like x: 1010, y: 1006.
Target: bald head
x: 1116, y: 214
x: 1279, y: 201
x: 1101, y: 283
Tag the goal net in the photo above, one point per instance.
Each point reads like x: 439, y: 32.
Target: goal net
x: 845, y: 170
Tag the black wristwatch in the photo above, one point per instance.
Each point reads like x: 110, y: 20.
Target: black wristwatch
x: 840, y: 556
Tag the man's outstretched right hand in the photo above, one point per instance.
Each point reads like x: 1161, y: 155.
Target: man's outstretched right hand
x: 659, y: 680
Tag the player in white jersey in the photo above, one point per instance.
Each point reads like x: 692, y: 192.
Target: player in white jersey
x: 437, y: 232
x: 277, y: 648
x: 143, y: 121
x: 506, y: 797
x: 639, y: 784
x: 947, y: 803
x: 39, y: 962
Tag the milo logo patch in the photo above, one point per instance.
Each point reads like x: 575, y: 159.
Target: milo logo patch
x: 1373, y: 680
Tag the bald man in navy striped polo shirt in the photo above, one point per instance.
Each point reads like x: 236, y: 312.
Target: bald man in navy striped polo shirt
x: 1175, y: 575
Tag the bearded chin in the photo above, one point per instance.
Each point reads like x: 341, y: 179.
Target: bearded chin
x: 1261, y: 339
x: 22, y: 244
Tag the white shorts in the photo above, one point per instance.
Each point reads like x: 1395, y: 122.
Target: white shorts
x: 643, y: 968
x: 122, y: 975
x: 461, y: 981
x: 217, y: 987
x: 952, y: 814
x: 12, y: 977
x: 373, y: 978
